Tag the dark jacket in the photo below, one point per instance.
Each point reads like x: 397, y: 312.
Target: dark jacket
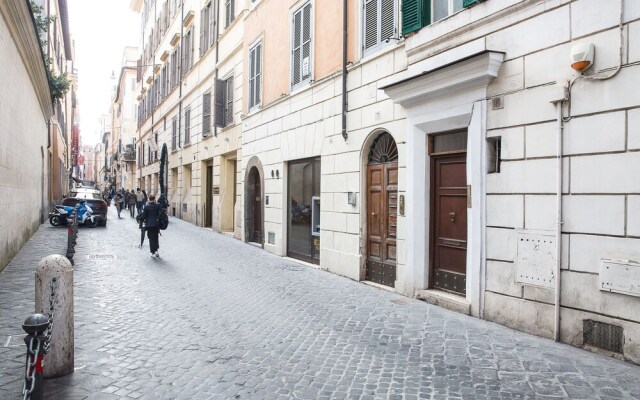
x: 149, y: 215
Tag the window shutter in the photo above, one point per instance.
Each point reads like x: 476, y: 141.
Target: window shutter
x: 306, y: 42
x: 297, y: 39
x: 206, y: 114
x: 228, y: 119
x: 218, y: 112
x: 203, y: 24
x: 212, y: 25
x: 258, y: 73
x: 413, y: 15
x: 252, y: 77
x: 467, y: 3
x: 370, y: 24
x: 187, y: 126
x: 173, y: 136
x: 387, y: 19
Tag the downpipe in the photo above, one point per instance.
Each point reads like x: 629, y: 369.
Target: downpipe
x: 558, y: 266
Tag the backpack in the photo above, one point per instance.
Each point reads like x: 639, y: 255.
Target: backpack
x: 163, y: 220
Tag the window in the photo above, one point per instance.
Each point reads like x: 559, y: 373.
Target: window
x: 187, y: 126
x: 224, y: 102
x: 419, y: 13
x: 301, y: 46
x: 187, y: 56
x: 207, y: 28
x: 229, y: 12
x: 174, y: 133
x: 206, y: 114
x: 378, y: 23
x: 255, y: 75
x: 494, y: 156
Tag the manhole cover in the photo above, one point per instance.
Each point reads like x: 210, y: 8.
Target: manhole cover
x: 101, y: 256
x: 15, y: 340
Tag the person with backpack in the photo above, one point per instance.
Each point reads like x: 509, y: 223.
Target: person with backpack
x: 153, y: 218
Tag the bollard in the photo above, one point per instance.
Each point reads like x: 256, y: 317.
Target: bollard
x: 35, y: 326
x: 54, y: 275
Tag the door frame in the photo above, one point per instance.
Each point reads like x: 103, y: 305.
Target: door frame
x: 432, y: 207
x: 254, y: 161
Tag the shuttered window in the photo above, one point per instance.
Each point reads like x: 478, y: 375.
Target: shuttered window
x: 204, y: 16
x: 223, y: 113
x: 301, y: 60
x: 212, y: 24
x: 379, y: 23
x: 206, y: 114
x: 255, y: 75
x: 229, y: 12
x: 187, y: 126
x: 419, y: 13
x: 174, y: 134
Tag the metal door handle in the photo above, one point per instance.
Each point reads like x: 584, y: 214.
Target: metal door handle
x: 452, y: 216
x: 373, y: 213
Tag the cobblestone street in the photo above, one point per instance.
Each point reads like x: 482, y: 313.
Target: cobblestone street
x: 215, y: 318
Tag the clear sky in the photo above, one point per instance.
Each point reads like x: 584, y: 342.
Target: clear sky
x: 101, y: 29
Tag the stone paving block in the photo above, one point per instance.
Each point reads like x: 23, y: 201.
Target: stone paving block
x: 215, y: 318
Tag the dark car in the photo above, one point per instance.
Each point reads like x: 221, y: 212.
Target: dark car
x: 93, y: 199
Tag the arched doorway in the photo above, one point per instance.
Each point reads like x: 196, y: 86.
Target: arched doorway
x: 382, y: 210
x: 253, y: 207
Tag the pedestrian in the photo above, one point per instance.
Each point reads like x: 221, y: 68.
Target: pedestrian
x: 127, y: 195
x: 139, y: 200
x: 132, y: 204
x: 144, y: 200
x: 163, y: 202
x: 150, y: 216
x: 118, y: 200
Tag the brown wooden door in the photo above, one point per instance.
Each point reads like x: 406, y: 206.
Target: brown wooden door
x: 382, y: 206
x: 449, y: 223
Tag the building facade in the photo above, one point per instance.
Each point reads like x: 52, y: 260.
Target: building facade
x: 123, y: 115
x: 443, y: 149
x: 24, y: 142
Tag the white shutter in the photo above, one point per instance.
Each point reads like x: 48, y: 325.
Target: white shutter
x: 387, y: 19
x: 370, y: 22
x: 296, y: 48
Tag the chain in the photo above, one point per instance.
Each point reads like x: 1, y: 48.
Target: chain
x: 30, y: 373
x: 52, y: 295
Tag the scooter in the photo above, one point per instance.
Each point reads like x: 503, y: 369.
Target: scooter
x: 62, y: 213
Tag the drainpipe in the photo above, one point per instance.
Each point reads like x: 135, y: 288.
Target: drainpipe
x: 344, y: 69
x: 213, y: 95
x: 558, y: 266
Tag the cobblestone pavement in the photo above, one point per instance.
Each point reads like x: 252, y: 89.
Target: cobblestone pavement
x: 215, y: 318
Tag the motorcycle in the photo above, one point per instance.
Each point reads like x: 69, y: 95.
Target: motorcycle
x: 62, y: 213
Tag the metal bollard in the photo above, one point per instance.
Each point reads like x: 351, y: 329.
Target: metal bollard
x: 35, y: 326
x: 54, y: 297
x: 72, y: 234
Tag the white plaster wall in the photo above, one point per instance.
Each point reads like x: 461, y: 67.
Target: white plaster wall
x: 24, y: 169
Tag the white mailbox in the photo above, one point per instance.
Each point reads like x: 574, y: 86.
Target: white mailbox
x: 536, y: 259
x: 620, y: 276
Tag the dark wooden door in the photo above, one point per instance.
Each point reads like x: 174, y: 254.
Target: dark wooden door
x: 209, y: 197
x: 382, y: 206
x: 257, y: 208
x: 449, y: 223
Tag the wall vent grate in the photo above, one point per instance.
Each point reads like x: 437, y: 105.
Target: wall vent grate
x: 603, y: 336
x: 271, y: 238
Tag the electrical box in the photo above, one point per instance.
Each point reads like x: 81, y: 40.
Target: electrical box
x: 536, y: 259
x: 315, y: 215
x: 620, y: 276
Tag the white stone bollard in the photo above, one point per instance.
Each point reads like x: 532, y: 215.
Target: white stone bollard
x: 59, y: 359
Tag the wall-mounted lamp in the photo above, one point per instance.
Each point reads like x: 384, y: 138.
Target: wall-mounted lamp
x: 351, y: 198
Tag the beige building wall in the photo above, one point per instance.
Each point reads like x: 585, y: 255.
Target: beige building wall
x: 24, y: 158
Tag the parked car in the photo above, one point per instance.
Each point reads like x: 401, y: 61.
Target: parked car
x: 93, y: 198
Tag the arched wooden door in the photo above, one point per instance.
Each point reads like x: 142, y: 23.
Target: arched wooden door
x: 253, y: 207
x: 382, y: 211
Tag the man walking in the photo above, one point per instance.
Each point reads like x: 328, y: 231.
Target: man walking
x: 118, y: 200
x: 132, y: 204
x: 139, y: 200
x: 150, y: 216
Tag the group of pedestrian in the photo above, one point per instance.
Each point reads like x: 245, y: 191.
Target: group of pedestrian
x: 149, y: 216
x: 130, y: 200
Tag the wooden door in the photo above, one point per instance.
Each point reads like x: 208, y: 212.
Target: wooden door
x: 382, y: 206
x: 257, y: 208
x: 209, y: 197
x: 449, y: 223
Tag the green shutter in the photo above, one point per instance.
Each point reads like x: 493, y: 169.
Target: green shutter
x: 467, y: 3
x: 412, y: 15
